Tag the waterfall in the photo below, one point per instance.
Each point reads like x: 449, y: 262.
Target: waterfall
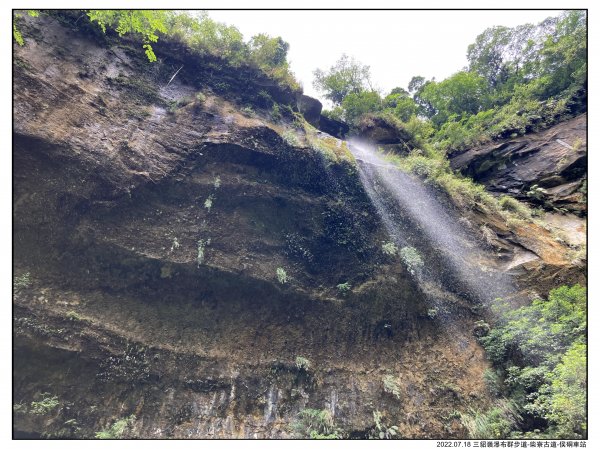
x: 454, y: 260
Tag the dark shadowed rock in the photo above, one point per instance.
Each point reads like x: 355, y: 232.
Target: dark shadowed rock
x: 333, y: 127
x: 152, y: 223
x: 383, y: 130
x: 547, y: 168
x: 310, y: 108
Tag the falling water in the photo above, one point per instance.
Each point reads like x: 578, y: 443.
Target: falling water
x: 454, y: 260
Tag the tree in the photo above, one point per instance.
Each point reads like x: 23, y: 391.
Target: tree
x: 416, y: 86
x: 356, y: 104
x: 346, y: 76
x: 462, y: 93
x: 267, y: 51
x: 219, y: 39
x: 147, y: 23
x: 541, y: 350
x: 568, y: 398
x: 416, y: 83
x: 564, y: 53
x: 487, y: 56
x: 552, y: 54
x: 401, y: 104
x: 399, y: 91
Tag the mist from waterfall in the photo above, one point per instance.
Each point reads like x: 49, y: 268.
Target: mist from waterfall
x: 454, y: 259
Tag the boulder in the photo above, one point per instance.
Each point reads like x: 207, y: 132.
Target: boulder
x: 333, y: 127
x: 310, y: 108
x: 383, y: 130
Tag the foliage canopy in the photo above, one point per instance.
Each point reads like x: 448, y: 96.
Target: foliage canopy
x: 517, y: 79
x: 346, y: 76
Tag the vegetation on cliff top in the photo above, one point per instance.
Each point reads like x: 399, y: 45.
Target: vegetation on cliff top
x: 518, y: 79
x: 196, y: 31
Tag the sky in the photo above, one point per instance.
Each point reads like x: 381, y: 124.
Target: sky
x: 397, y: 45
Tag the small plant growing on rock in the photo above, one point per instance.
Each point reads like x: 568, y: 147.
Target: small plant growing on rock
x: 454, y: 414
x: 281, y: 275
x: 248, y: 111
x: 291, y: 138
x: 73, y: 316
x: 117, y: 430
x: 302, y: 363
x: 200, y: 97
x: 23, y: 281
x: 344, y: 288
x: 510, y: 204
x: 315, y: 424
x: 537, y: 192
x: 389, y: 249
x: 208, y: 203
x: 202, y: 244
x: 69, y: 430
x: 411, y: 258
x: 497, y: 422
x: 174, y: 105
x: 391, y: 385
x: 381, y: 431
x: 45, y: 406
x: 481, y: 329
x: 175, y: 244
x: 493, y: 382
x: 265, y: 98
x: 432, y: 313
x: 276, y: 113
x: 19, y: 408
x: 217, y: 182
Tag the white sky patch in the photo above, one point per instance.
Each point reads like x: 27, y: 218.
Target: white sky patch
x: 396, y: 44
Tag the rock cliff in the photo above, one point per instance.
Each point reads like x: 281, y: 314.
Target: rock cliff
x: 181, y: 254
x: 547, y: 168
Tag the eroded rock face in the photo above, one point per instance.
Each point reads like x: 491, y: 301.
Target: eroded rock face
x: 546, y: 168
x: 152, y: 221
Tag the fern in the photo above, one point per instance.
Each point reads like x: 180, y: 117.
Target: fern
x: 315, y: 424
x: 117, y: 430
x: 391, y: 385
